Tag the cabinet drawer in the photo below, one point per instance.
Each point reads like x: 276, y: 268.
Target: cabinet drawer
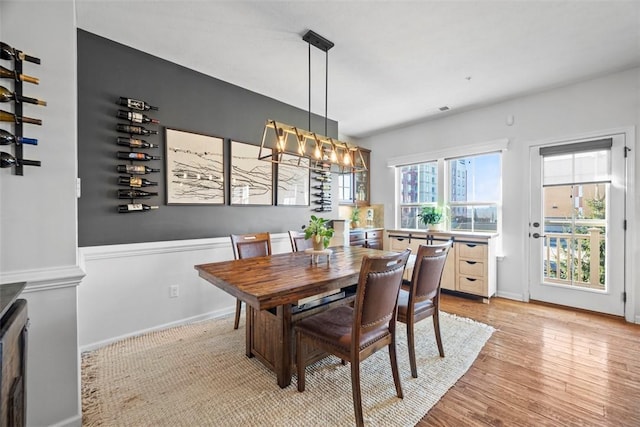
x: 374, y: 234
x: 356, y: 236
x: 471, y: 268
x: 472, y: 285
x: 399, y: 243
x: 472, y: 251
x: 374, y: 244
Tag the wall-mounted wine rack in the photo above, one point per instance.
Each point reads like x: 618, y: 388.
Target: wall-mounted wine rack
x: 17, y: 160
x: 321, y: 191
x: 134, y: 172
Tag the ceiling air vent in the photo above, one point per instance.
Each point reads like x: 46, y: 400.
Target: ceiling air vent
x: 445, y: 108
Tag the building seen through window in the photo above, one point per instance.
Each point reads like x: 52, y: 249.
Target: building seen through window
x: 468, y: 189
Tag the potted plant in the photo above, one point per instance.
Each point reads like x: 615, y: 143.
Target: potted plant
x: 430, y: 216
x: 355, y: 217
x: 319, y: 232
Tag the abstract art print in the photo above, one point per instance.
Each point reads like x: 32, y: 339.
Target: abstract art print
x: 195, y: 168
x: 251, y: 179
x: 293, y: 181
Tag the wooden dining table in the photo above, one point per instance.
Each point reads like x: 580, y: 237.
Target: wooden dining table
x: 272, y: 288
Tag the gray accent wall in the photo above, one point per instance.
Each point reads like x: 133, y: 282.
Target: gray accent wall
x: 187, y: 100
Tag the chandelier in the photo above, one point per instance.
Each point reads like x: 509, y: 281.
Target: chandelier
x: 291, y: 145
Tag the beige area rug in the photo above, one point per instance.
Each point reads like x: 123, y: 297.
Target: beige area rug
x: 198, y: 375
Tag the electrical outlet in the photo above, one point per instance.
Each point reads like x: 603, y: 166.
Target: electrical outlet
x: 173, y: 291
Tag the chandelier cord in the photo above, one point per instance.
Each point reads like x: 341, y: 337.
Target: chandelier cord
x: 326, y: 89
x: 309, y: 44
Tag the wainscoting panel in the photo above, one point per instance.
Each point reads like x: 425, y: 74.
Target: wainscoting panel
x: 126, y: 290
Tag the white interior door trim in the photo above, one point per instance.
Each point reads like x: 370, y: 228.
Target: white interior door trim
x: 631, y: 239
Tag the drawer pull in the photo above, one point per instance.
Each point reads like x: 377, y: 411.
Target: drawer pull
x: 471, y: 262
x: 471, y: 245
x: 470, y: 279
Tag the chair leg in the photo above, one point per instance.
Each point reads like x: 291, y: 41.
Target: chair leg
x: 300, y: 361
x: 436, y: 328
x: 394, y: 369
x: 355, y: 389
x: 412, y: 349
x: 238, y: 310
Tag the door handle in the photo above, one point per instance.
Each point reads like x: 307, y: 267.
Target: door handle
x: 537, y: 235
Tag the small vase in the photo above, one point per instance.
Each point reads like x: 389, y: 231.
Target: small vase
x: 318, y: 243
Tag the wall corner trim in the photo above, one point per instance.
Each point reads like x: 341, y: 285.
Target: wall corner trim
x: 46, y: 278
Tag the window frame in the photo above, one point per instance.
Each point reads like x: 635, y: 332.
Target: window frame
x: 443, y: 194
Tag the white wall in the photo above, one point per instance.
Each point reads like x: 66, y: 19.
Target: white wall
x: 38, y: 210
x: 600, y: 104
x: 128, y: 285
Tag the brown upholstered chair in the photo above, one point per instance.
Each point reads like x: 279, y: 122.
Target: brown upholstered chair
x: 249, y: 246
x: 298, y: 242
x: 421, y: 299
x: 355, y: 333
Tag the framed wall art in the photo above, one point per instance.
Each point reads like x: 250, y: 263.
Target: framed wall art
x: 251, y: 179
x: 195, y: 168
x: 293, y: 181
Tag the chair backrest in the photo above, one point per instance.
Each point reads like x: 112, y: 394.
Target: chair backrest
x: 427, y: 271
x: 377, y: 292
x: 251, y: 245
x: 298, y: 242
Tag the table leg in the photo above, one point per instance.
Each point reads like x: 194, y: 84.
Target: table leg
x: 248, y: 330
x: 284, y: 353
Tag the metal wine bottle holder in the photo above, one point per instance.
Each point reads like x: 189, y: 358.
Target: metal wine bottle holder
x: 135, y: 107
x: 18, y: 111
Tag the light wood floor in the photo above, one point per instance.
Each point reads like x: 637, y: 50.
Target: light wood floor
x: 544, y: 366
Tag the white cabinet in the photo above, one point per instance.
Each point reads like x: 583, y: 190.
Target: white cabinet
x: 471, y: 263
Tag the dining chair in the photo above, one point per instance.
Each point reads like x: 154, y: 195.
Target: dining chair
x: 355, y: 333
x: 249, y: 246
x: 298, y: 241
x: 421, y: 299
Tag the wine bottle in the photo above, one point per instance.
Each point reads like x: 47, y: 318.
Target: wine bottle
x: 7, y: 138
x: 323, y: 187
x: 138, y: 130
x: 135, y: 194
x: 135, y: 117
x: 135, y: 181
x: 6, y: 95
x: 136, y: 156
x: 135, y: 143
x: 135, y: 207
x: 323, y: 209
x: 322, y: 202
x: 7, y: 52
x: 7, y: 161
x: 10, y: 117
x: 326, y: 179
x: 136, y: 104
x: 136, y: 169
x: 322, y: 194
x: 8, y: 74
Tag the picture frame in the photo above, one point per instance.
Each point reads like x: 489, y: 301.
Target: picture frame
x: 293, y: 181
x: 251, y: 179
x: 195, y: 168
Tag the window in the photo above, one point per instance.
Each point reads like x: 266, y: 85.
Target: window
x: 418, y: 186
x: 469, y: 187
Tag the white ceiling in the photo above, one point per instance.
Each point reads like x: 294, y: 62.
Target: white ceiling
x: 394, y: 62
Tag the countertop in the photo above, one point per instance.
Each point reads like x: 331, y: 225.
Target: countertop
x: 455, y: 233
x: 8, y: 294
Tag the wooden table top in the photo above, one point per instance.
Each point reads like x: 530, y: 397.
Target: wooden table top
x: 271, y: 281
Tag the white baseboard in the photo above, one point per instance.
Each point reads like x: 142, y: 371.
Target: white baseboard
x: 510, y: 295
x: 206, y: 316
x: 75, y: 421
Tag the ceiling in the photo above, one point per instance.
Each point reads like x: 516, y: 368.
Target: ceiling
x: 394, y: 62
